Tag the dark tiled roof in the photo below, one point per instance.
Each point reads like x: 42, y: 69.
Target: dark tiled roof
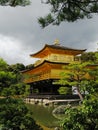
x: 64, y: 48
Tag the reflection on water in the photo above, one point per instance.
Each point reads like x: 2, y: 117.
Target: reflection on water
x: 43, y: 115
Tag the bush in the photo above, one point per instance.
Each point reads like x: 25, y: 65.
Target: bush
x: 14, y: 115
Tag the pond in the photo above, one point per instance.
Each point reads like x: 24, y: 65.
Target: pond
x: 43, y: 115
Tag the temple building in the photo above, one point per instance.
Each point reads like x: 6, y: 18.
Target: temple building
x: 47, y: 69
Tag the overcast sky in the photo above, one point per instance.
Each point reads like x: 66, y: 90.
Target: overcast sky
x: 21, y: 35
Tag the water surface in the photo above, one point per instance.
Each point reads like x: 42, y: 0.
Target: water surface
x: 43, y: 115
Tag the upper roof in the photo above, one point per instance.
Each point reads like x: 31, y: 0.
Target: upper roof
x: 47, y: 49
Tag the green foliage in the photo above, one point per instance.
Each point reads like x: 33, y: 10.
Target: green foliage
x: 3, y: 64
x: 84, y: 117
x: 11, y: 79
x: 89, y: 56
x: 14, y: 3
x: 46, y: 21
x: 30, y: 66
x: 16, y: 67
x: 91, y: 85
x: 14, y: 115
x: 96, y: 55
x: 64, y: 90
x: 74, y: 75
x: 7, y: 78
x: 68, y: 10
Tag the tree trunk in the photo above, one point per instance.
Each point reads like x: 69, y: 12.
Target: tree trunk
x: 79, y: 93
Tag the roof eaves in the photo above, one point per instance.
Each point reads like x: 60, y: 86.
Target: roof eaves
x: 39, y: 51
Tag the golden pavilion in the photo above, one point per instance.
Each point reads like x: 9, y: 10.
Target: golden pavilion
x: 47, y: 69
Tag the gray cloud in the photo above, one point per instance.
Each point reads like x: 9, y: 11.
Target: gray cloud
x: 24, y: 35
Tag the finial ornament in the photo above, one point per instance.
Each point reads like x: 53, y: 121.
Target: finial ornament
x: 56, y: 42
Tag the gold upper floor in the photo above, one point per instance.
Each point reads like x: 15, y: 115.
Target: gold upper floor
x: 58, y: 58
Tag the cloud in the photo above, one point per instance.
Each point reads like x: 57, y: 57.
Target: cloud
x: 93, y: 46
x: 21, y: 35
x: 13, y: 52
